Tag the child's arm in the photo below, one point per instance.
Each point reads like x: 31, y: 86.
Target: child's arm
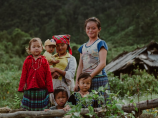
x: 50, y: 59
x: 22, y: 84
x: 49, y: 83
x: 79, y: 71
x: 55, y: 61
x: 25, y: 87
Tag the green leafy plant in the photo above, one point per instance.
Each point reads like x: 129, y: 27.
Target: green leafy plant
x: 17, y: 102
x: 112, y: 107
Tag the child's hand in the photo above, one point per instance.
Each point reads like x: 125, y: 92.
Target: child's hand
x: 46, y: 110
x: 76, y: 88
x: 67, y: 108
x: 25, y: 87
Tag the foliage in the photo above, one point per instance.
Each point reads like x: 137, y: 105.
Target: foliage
x: 152, y: 111
x: 141, y: 81
x: 124, y: 22
x: 9, y: 81
x: 87, y: 101
x: 17, y: 102
x: 111, y: 109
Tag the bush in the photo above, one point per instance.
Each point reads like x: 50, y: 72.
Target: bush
x: 140, y: 82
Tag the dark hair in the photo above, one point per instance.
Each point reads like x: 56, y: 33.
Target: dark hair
x: 56, y: 91
x: 94, y: 19
x: 84, y: 75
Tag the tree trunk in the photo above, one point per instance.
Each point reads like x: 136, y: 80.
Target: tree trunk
x: 39, y: 114
x: 126, y: 108
x: 141, y: 106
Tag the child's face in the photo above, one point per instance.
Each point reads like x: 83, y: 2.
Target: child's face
x: 50, y: 48
x: 61, y: 99
x: 92, y: 30
x: 84, y: 84
x: 36, y: 48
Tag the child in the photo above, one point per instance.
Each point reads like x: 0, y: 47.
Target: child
x: 93, y: 56
x: 84, y: 84
x: 61, y: 97
x: 36, y: 80
x: 49, y: 46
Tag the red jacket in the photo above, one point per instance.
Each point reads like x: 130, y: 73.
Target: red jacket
x: 36, y: 74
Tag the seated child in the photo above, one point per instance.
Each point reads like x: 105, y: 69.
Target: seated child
x: 84, y: 83
x: 61, y: 97
x: 49, y: 46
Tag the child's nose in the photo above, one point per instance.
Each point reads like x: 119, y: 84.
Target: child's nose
x: 61, y: 99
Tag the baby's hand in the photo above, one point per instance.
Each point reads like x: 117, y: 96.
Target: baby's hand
x: 67, y: 108
x: 57, y: 61
x: 46, y: 110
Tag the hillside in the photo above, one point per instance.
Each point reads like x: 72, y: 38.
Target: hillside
x: 124, y: 22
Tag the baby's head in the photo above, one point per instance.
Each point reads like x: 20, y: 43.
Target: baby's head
x: 61, y: 97
x: 35, y: 46
x: 84, y: 81
x: 50, y: 45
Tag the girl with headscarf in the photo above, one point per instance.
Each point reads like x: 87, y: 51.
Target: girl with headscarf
x: 63, y: 72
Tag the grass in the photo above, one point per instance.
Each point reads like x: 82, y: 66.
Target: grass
x: 9, y: 82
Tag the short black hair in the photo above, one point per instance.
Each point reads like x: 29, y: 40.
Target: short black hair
x: 84, y: 75
x: 56, y: 91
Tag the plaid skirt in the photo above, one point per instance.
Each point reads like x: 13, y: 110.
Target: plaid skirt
x: 98, y: 82
x: 35, y: 100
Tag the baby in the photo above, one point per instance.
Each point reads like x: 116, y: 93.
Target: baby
x: 49, y: 46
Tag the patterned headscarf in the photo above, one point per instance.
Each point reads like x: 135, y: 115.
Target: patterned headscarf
x: 63, y: 39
